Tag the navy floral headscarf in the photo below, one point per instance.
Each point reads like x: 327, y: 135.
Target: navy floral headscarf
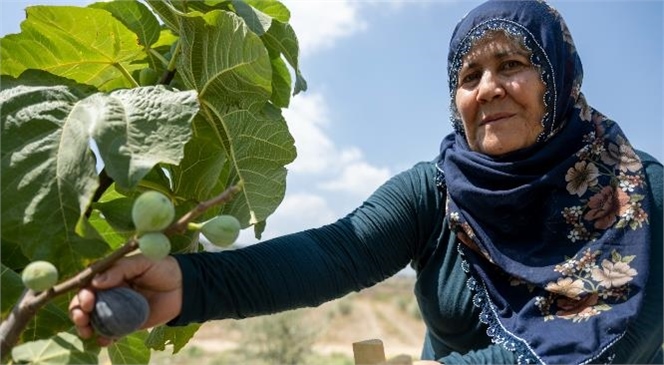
x: 555, y: 236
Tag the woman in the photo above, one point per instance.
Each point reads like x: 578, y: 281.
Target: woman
x: 536, y: 233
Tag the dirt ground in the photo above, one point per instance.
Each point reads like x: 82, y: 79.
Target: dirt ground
x: 387, y: 311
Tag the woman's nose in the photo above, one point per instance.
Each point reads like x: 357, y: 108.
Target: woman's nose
x: 489, y: 88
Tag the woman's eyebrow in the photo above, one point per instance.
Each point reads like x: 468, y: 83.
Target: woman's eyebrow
x: 499, y: 54
x: 510, y: 52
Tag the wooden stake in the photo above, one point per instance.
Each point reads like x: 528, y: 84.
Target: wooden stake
x: 369, y: 352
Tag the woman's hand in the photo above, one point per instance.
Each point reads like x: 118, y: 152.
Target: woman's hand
x: 160, y: 282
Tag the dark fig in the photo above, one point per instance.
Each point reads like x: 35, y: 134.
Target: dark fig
x: 119, y: 312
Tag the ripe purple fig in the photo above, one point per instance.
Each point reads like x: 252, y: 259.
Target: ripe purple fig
x: 118, y: 312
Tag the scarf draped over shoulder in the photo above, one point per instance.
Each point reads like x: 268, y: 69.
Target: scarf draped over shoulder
x: 556, y: 236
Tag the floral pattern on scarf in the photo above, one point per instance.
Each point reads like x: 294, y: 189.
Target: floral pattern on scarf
x: 586, y: 287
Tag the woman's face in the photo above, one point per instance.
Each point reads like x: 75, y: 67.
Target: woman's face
x: 500, y: 96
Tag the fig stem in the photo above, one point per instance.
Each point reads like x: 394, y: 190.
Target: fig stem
x: 193, y: 226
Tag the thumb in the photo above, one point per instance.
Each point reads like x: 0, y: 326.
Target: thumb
x: 121, y: 273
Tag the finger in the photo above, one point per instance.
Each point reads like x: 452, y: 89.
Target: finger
x: 79, y: 318
x: 74, y: 303
x: 86, y: 300
x: 85, y: 332
x: 81, y: 304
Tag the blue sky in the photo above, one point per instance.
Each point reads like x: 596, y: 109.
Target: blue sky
x: 378, y: 101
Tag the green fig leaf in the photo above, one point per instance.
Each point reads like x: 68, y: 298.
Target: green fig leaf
x: 234, y: 84
x: 130, y: 349
x: 136, y: 17
x: 162, y: 336
x: 63, y: 348
x: 46, y: 188
x: 281, y: 38
x: 135, y: 129
x: 83, y: 44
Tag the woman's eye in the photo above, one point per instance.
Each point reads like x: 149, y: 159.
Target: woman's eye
x: 509, y: 65
x: 470, y: 77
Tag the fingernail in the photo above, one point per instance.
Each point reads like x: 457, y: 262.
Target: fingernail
x: 100, y: 278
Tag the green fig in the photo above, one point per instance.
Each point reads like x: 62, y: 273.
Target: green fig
x: 148, y: 76
x: 222, y: 230
x: 154, y: 245
x: 152, y: 211
x: 40, y: 275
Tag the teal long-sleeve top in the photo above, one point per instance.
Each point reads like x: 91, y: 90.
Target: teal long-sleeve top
x: 402, y: 223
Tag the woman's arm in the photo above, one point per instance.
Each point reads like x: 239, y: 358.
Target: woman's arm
x: 644, y: 337
x: 308, y: 268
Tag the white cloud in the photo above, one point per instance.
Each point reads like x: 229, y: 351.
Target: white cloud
x: 345, y: 167
x: 307, y: 116
x: 319, y: 24
x: 358, y: 178
x: 308, y: 210
x: 298, y: 211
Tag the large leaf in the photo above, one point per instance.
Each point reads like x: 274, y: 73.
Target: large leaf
x: 281, y: 38
x: 256, y: 20
x: 272, y: 8
x: 231, y: 68
x: 167, y: 13
x: 130, y: 349
x: 205, y: 159
x: 49, y: 174
x: 281, y: 83
x: 223, y: 60
x: 262, y: 146
x: 135, y: 16
x: 84, y: 44
x: 63, y: 348
x: 135, y: 129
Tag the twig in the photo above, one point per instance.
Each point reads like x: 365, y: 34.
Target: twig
x: 181, y: 224
x: 30, y: 302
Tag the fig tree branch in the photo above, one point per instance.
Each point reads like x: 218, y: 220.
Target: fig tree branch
x: 30, y: 302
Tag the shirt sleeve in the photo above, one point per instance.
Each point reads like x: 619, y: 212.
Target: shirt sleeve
x: 307, y: 268
x: 643, y: 342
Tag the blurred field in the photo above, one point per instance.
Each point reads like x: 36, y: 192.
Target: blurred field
x: 322, y: 335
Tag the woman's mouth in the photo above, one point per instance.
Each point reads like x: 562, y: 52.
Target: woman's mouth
x: 495, y: 118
